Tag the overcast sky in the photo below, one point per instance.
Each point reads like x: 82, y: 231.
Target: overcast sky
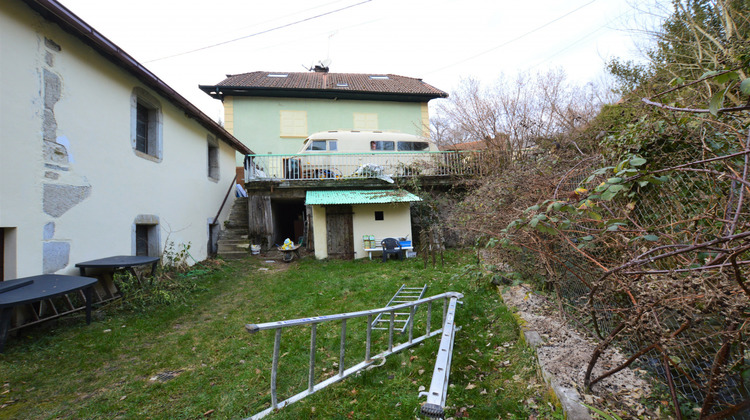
x: 187, y: 43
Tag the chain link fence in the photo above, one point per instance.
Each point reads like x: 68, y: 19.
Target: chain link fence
x: 688, y: 340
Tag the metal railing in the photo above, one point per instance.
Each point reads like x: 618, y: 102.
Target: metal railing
x: 383, y: 165
x: 436, y: 396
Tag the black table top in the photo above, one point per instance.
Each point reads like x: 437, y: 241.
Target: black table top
x: 119, y: 261
x: 42, y: 287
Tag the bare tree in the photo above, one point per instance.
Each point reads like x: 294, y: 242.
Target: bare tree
x: 514, y: 114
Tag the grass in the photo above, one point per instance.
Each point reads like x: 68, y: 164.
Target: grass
x: 193, y: 358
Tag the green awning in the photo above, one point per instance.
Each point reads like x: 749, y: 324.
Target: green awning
x: 319, y: 198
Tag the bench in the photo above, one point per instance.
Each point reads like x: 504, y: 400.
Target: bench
x: 370, y: 249
x: 42, y: 288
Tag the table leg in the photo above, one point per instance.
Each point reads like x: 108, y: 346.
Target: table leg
x: 4, y: 325
x: 88, y: 293
x: 131, y: 270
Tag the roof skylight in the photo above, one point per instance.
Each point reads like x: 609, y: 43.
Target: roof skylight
x: 378, y: 77
x: 278, y: 75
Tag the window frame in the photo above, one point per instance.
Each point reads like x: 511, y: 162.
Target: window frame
x: 328, y: 146
x: 401, y: 146
x: 212, y: 159
x: 147, y: 224
x: 382, y: 145
x: 143, y: 104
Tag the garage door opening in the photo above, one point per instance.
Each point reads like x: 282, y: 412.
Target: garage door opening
x: 290, y: 220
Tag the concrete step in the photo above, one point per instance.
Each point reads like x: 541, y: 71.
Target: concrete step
x: 236, y: 225
x: 234, y: 242
x: 233, y: 236
x: 233, y: 246
x: 234, y: 255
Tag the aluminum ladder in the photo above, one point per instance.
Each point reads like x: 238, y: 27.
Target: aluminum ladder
x: 402, y: 319
x: 435, y: 404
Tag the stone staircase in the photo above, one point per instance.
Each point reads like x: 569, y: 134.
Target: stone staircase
x: 233, y: 240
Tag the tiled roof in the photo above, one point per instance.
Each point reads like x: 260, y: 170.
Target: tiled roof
x: 359, y: 197
x: 472, y: 145
x: 321, y: 84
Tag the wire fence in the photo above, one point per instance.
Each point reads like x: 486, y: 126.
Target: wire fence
x: 682, y: 314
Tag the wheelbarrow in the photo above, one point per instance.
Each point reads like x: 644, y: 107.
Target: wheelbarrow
x: 289, y: 253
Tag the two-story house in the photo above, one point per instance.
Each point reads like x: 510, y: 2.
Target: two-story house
x: 273, y: 112
x: 98, y: 156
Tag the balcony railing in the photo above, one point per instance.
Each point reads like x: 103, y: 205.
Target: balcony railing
x: 382, y: 165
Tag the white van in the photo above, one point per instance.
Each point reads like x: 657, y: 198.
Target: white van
x: 335, y: 154
x: 365, y: 141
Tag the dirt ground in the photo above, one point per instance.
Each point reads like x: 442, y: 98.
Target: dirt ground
x: 565, y: 354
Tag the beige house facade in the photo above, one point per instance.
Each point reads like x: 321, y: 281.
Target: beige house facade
x: 98, y: 157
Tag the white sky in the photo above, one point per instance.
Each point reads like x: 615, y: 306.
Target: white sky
x: 440, y: 41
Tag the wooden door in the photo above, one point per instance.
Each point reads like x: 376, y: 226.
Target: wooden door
x: 339, y: 232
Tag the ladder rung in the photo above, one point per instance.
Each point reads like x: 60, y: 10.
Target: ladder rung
x: 403, y: 295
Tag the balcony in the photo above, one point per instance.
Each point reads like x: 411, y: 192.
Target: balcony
x: 385, y: 166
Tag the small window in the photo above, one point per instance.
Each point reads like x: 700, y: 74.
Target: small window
x: 145, y: 241
x: 378, y: 77
x: 141, y: 240
x: 141, y: 129
x: 379, y: 215
x: 413, y: 145
x: 319, y: 145
x: 278, y: 75
x: 342, y: 84
x: 381, y: 145
x: 146, y: 125
x: 323, y: 145
x: 146, y: 235
x: 213, y: 159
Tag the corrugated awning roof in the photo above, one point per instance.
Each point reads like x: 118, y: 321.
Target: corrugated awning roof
x: 359, y: 197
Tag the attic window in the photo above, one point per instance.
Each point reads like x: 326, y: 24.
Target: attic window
x: 342, y: 84
x: 277, y: 75
x: 376, y: 77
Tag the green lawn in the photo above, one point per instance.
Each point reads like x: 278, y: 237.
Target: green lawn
x: 193, y: 358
